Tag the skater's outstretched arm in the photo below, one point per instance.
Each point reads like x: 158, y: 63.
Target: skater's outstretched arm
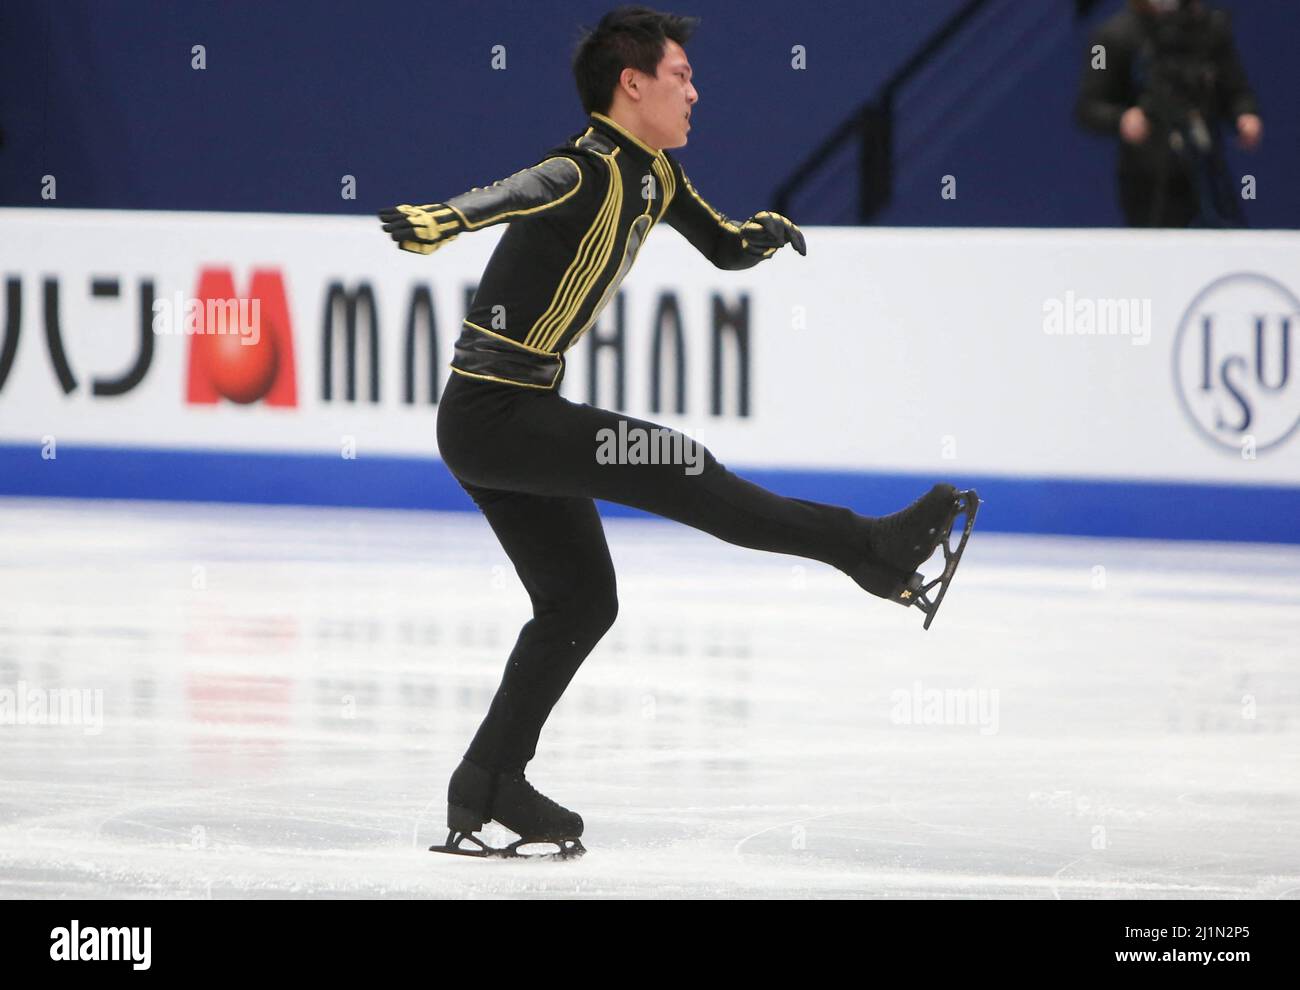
x: 727, y: 244
x: 528, y: 193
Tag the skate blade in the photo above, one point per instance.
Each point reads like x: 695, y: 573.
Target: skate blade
x: 917, y: 591
x: 566, y: 848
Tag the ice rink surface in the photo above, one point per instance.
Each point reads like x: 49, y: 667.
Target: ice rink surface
x: 268, y: 703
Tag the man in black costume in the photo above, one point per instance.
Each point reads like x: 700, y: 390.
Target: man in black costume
x: 529, y: 457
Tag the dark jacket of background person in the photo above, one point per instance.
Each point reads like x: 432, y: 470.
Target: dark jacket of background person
x: 1174, y: 66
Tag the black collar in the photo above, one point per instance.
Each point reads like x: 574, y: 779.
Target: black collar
x: 629, y: 144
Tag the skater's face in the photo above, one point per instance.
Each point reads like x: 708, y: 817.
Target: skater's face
x: 665, y: 99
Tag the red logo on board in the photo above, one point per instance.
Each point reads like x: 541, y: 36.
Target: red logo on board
x: 243, y: 347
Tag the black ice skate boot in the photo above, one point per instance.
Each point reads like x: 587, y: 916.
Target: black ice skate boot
x: 903, y: 541
x: 476, y: 796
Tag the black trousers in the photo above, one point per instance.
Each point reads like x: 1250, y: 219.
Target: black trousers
x: 532, y: 462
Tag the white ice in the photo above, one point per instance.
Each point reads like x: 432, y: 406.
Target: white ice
x: 285, y: 692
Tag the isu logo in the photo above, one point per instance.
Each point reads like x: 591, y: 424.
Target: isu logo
x: 1232, y: 363
x: 241, y: 347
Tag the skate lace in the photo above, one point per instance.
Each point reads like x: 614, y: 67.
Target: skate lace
x: 888, y: 527
x: 538, y: 795
x: 893, y: 529
x: 901, y: 532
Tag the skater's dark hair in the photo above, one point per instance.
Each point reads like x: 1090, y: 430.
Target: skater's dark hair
x: 629, y: 36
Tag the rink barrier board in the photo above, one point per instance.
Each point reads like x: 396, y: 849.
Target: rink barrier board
x: 1067, y: 506
x: 923, y: 343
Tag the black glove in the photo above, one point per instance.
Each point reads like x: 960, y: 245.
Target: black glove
x: 764, y: 232
x: 422, y: 229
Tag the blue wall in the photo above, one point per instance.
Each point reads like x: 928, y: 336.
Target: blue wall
x: 401, y: 95
x: 1255, y: 513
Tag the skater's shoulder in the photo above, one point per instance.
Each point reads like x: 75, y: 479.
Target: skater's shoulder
x: 564, y: 159
x: 592, y: 144
x: 589, y: 151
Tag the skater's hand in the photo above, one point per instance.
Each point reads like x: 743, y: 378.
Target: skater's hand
x: 422, y: 229
x: 764, y: 232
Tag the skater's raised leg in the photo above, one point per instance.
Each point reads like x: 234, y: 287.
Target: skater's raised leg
x: 542, y: 443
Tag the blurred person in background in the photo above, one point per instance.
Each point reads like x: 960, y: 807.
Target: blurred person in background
x: 1166, y: 74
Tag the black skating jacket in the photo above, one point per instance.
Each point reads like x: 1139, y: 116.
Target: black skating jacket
x: 577, y: 220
